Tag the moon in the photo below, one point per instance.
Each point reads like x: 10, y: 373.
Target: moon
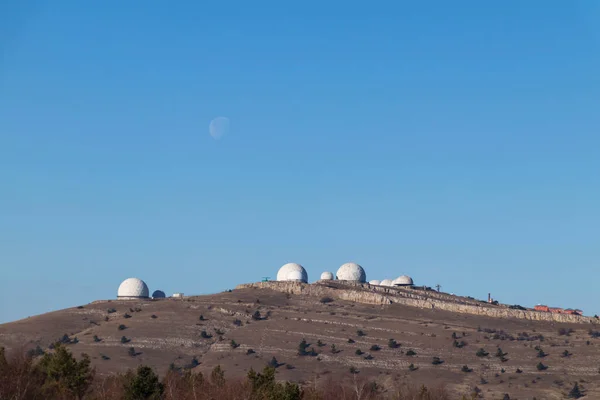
x: 218, y: 127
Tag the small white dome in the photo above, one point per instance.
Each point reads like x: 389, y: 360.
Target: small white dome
x: 351, y: 272
x: 133, y: 288
x: 386, y: 282
x: 159, y: 294
x: 403, y: 280
x: 327, y: 276
x: 283, y: 273
x: 375, y: 282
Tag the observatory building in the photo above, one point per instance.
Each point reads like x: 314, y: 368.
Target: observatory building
x: 327, y: 276
x: 133, y: 289
x: 403, y: 280
x: 159, y: 294
x: 292, y: 272
x: 375, y: 282
x: 351, y: 272
x: 386, y: 282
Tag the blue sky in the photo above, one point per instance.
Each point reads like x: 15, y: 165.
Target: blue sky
x: 456, y: 142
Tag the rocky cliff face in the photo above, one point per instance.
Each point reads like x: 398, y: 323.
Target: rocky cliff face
x: 379, y: 295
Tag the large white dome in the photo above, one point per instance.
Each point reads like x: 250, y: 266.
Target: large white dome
x: 327, y: 276
x: 283, y: 273
x: 386, y: 282
x: 375, y: 282
x: 133, y: 288
x: 403, y: 280
x: 296, y: 276
x: 351, y: 272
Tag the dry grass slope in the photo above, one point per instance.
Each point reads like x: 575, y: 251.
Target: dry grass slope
x: 197, y: 333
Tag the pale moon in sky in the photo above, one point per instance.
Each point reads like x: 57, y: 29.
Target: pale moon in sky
x: 218, y: 127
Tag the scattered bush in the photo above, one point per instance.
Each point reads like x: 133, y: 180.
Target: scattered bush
x: 273, y: 363
x: 565, y: 331
x: 111, y: 310
x: 104, y: 357
x: 153, y: 316
x: 576, y: 392
x: 302, y: 348
x: 375, y: 348
x: 540, y: 353
x: 566, y: 353
x: 122, y: 327
x: 360, y: 333
x: 392, y: 344
x: 233, y: 344
x: 237, y: 322
x: 518, y: 371
x: 358, y: 352
x: 593, y: 333
x: 411, y: 352
x: 412, y: 367
x: 36, y: 352
x: 482, y: 353
x: 368, y: 357
x: 334, y: 349
x: 437, y: 361
x: 256, y: 316
x: 326, y: 300
x: 201, y: 318
x: 132, y: 352
x: 350, y: 341
x: 459, y: 345
x: 541, y: 367
x: 125, y: 340
x: 353, y: 370
x: 97, y: 339
x: 320, y: 343
x: 465, y: 368
x: 205, y: 335
x: 126, y: 316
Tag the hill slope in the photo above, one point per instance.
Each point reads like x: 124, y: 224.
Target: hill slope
x: 169, y: 331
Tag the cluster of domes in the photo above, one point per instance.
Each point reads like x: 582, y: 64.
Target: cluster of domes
x: 402, y: 280
x: 135, y: 288
x: 347, y: 272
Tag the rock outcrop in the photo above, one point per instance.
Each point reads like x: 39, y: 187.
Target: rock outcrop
x: 426, y: 299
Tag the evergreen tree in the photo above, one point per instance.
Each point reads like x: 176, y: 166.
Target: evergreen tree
x: 142, y: 385
x: 63, y: 373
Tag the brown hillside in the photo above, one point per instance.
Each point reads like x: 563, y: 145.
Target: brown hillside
x: 174, y: 337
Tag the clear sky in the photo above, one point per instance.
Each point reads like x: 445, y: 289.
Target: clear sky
x: 454, y: 141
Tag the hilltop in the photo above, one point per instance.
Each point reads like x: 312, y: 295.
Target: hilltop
x: 250, y: 325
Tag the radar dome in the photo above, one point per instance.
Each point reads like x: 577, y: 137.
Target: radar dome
x: 351, y: 272
x: 327, y: 276
x: 296, y: 276
x: 386, y: 282
x: 159, y: 294
x: 403, y: 280
x: 284, y: 272
x: 375, y: 282
x: 133, y: 288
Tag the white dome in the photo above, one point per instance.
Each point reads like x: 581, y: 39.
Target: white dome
x: 327, y: 276
x: 159, y: 294
x: 375, y: 282
x: 351, y: 272
x: 133, y: 288
x: 283, y: 273
x: 403, y: 280
x: 296, y: 276
x: 386, y: 282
